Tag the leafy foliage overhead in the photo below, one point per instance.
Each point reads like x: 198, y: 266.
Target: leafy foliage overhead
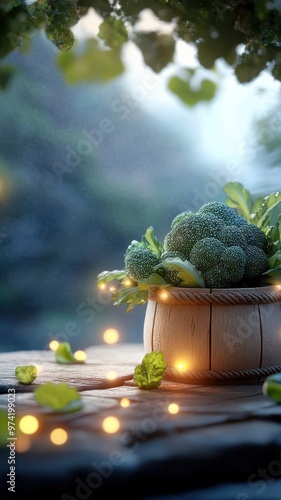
x: 215, y: 29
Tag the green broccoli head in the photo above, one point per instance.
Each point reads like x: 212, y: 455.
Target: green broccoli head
x: 191, y: 229
x: 139, y: 261
x: 224, y: 246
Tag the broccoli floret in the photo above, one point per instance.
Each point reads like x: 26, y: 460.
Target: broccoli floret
x: 254, y: 236
x: 169, y: 275
x: 220, y: 265
x: 186, y: 233
x: 229, y: 270
x: 256, y: 262
x: 206, y: 253
x: 222, y: 211
x: 232, y: 236
x: 139, y: 261
x: 180, y: 217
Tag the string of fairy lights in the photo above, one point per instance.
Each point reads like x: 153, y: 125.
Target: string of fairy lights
x: 29, y: 425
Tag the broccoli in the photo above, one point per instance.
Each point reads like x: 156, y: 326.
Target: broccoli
x: 139, y: 261
x: 222, y: 211
x: 226, y: 248
x: 254, y: 236
x: 256, y: 263
x: 232, y: 236
x: 206, y: 253
x: 230, y: 269
x: 191, y: 229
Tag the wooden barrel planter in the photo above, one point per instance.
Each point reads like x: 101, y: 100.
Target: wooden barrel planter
x: 215, y: 335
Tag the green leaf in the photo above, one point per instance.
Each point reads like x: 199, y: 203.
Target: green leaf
x: 157, y: 48
x: 275, y: 260
x: 6, y: 74
x: 64, y: 354
x: 138, y: 293
x: 272, y: 387
x: 239, y: 198
x: 150, y: 241
x: 113, y: 32
x: 266, y: 213
x: 94, y: 64
x: 149, y: 374
x: 153, y: 280
x: 107, y: 276
x: 272, y: 277
x: 58, y: 397
x: 190, y: 275
x: 190, y: 96
x: 131, y: 296
x: 26, y: 374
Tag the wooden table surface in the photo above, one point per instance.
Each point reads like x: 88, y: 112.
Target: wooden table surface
x: 223, y: 444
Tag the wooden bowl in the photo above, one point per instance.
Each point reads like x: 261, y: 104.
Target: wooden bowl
x: 200, y: 329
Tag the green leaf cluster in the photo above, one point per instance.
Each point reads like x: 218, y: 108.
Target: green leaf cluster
x: 92, y: 64
x: 149, y: 374
x: 264, y: 213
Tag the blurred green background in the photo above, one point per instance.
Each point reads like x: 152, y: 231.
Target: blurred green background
x: 116, y: 116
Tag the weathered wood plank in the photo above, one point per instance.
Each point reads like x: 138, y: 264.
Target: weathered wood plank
x: 93, y: 373
x: 271, y: 334
x: 186, y: 323
x: 230, y: 339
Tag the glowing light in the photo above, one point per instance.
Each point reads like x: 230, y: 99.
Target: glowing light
x: 39, y: 369
x: 111, y: 425
x: 80, y: 355
x: 278, y: 287
x: 173, y: 408
x: 102, y: 286
x: 54, y: 345
x: 28, y: 424
x: 125, y: 402
x: 58, y: 436
x: 127, y: 282
x: 111, y: 375
x: 110, y: 336
x: 112, y: 289
x: 181, y: 365
x: 164, y: 295
x: 23, y: 443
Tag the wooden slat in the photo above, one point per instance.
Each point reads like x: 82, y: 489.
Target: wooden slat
x: 236, y: 337
x: 189, y: 337
x: 271, y: 334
